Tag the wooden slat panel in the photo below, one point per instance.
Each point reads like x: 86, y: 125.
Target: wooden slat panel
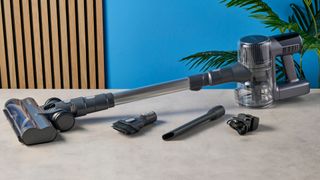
x: 82, y: 44
x: 19, y: 44
x: 10, y: 48
x: 0, y: 79
x: 37, y: 43
x: 3, y: 62
x: 100, y: 44
x: 28, y: 43
x: 73, y: 43
x: 91, y: 43
x: 55, y: 44
x: 46, y: 43
x: 41, y: 41
x: 64, y: 44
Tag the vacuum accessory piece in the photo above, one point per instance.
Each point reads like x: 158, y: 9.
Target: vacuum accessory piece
x: 211, y: 115
x: 244, y: 123
x: 134, y: 124
x: 29, y: 122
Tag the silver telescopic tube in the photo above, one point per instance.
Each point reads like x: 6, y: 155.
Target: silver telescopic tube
x: 151, y: 91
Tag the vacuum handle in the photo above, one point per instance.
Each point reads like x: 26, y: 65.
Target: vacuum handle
x: 285, y: 45
x: 288, y: 63
x: 295, y: 86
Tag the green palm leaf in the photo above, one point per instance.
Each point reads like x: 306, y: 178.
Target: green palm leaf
x: 210, y: 59
x: 308, y: 19
x: 260, y: 10
x: 300, y: 18
x: 217, y: 59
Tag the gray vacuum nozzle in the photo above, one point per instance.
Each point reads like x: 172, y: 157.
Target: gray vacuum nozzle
x: 213, y: 114
x: 134, y: 124
x: 28, y: 121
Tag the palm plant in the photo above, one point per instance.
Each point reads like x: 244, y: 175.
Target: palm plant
x: 304, y: 20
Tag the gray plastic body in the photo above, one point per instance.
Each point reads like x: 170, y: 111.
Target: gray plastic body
x: 258, y: 54
x: 28, y: 121
x: 84, y: 105
x: 34, y: 124
x: 285, y: 46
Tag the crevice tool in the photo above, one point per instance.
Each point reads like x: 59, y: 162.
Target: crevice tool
x: 211, y: 115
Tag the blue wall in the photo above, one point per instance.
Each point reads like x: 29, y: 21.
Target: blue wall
x: 146, y: 38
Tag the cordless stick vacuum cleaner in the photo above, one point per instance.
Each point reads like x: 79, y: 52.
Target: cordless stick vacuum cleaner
x: 255, y: 73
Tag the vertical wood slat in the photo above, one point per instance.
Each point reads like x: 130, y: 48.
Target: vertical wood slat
x: 0, y: 79
x: 10, y: 48
x: 51, y: 44
x: 91, y: 43
x: 46, y: 43
x: 19, y: 43
x: 37, y: 43
x: 55, y: 44
x: 28, y: 43
x: 3, y: 62
x: 100, y: 45
x: 73, y: 43
x: 82, y: 44
x: 64, y: 43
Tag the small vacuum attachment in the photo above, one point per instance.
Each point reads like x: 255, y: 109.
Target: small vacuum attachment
x: 244, y: 123
x: 213, y: 114
x: 134, y: 124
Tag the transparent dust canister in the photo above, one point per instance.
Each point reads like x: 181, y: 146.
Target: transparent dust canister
x: 254, y: 53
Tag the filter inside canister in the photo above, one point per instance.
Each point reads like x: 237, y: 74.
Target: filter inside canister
x: 254, y: 53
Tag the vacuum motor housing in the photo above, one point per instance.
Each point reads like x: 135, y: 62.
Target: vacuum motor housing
x: 254, y: 53
x: 258, y: 54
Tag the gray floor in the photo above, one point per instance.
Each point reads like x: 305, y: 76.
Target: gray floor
x: 286, y: 145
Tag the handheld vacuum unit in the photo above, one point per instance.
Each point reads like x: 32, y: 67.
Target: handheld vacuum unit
x: 255, y: 73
